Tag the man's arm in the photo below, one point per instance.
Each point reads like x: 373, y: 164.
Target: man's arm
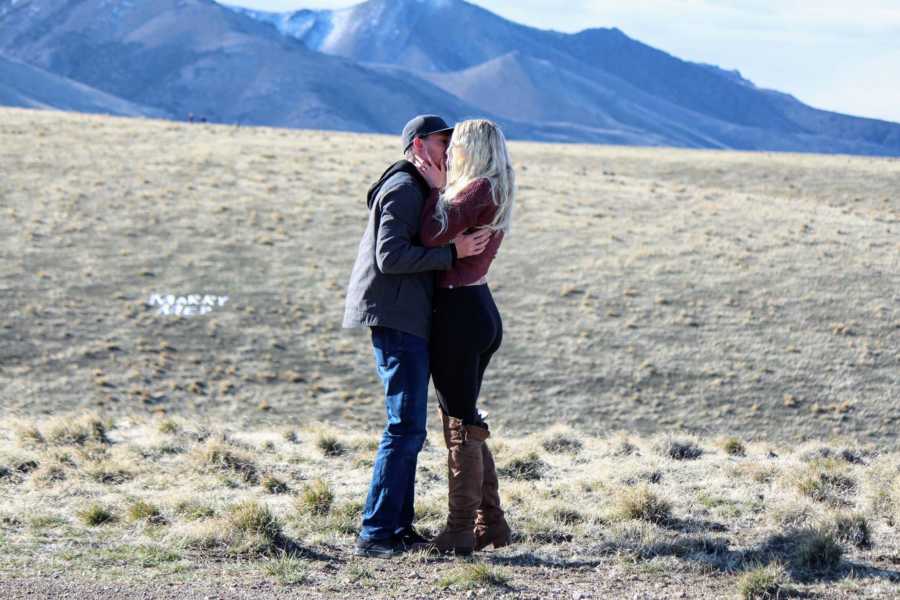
x: 395, y: 253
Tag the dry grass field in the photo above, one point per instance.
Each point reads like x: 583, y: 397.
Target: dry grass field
x: 656, y: 302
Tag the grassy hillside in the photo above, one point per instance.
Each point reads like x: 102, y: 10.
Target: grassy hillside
x: 651, y: 290
x: 696, y: 395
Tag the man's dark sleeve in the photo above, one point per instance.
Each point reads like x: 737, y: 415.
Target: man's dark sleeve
x: 395, y: 253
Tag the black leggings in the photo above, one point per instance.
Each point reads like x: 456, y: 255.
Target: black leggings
x: 466, y: 331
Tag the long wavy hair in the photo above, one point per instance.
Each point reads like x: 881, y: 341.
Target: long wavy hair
x: 484, y: 154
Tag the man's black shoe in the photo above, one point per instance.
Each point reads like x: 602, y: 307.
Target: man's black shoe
x: 410, y: 538
x: 376, y: 548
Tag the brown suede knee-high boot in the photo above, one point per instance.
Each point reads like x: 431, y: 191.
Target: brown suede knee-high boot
x: 465, y: 474
x: 490, y: 524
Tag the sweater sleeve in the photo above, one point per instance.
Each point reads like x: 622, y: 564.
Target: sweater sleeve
x: 464, y: 212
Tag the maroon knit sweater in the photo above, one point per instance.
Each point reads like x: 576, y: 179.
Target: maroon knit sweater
x: 472, y: 207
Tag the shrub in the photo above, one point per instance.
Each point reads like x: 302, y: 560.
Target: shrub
x: 316, y: 498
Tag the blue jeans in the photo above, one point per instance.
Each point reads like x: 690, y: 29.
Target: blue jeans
x: 401, y: 360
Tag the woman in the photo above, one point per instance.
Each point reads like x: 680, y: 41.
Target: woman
x: 466, y: 326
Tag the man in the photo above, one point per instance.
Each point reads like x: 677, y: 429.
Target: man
x: 390, y: 291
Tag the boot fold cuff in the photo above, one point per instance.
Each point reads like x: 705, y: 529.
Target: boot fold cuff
x: 474, y: 432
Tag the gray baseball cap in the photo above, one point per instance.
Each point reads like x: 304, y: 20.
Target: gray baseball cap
x: 423, y: 126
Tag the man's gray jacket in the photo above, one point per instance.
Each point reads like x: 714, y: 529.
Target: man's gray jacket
x: 392, y: 282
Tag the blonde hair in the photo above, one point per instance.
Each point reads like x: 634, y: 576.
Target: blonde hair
x: 484, y: 156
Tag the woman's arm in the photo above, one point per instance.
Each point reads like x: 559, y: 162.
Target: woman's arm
x: 464, y: 212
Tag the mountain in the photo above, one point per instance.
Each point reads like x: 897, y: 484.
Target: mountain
x: 197, y: 57
x: 595, y: 79
x: 425, y: 35
x: 369, y: 67
x: 26, y: 86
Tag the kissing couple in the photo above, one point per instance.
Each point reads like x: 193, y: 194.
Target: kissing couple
x: 436, y: 220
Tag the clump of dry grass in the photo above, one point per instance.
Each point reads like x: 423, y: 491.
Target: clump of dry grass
x: 640, y: 502
x: 76, y: 432
x: 622, y: 446
x: 755, y: 471
x: 883, y: 491
x: 110, y: 473
x: 54, y: 468
x: 29, y: 436
x: 95, y: 514
x: 17, y: 465
x: 246, y: 528
x: 793, y: 515
x: 251, y: 518
x: 330, y: 445
x: 316, y: 498
x: 677, y: 449
x: 851, y: 528
x: 524, y: 468
x: 562, y: 443
x: 168, y: 427
x: 143, y: 511
x: 345, y: 518
x: 472, y: 576
x: 566, y: 515
x: 287, y: 569
x: 817, y: 550
x: 194, y: 510
x: 765, y: 582
x: 734, y: 447
x: 844, y: 454
x: 218, y: 455
x: 274, y: 485
x: 825, y: 480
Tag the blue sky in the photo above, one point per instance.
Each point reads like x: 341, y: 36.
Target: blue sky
x: 834, y: 54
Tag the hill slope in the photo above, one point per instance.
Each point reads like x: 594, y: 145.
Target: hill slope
x: 26, y: 86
